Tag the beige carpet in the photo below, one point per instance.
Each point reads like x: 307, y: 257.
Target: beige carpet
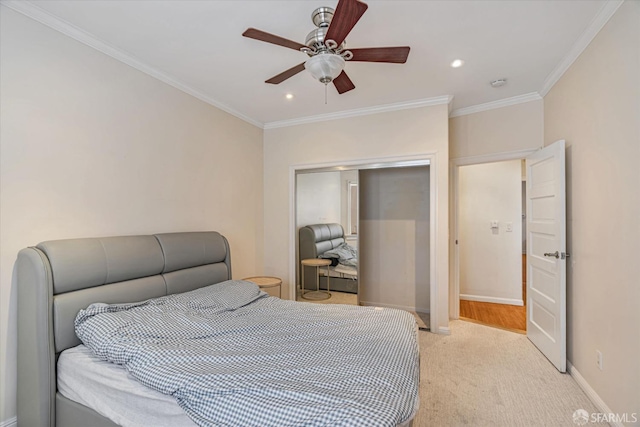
x: 482, y: 376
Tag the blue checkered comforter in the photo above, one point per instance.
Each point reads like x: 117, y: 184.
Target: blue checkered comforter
x: 233, y: 356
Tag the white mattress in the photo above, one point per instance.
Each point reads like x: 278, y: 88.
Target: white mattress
x: 108, y: 389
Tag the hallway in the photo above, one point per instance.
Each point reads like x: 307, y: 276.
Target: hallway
x: 504, y: 316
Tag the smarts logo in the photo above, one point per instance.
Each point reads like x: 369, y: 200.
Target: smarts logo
x: 582, y: 417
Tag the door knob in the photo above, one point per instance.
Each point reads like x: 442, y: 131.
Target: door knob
x: 557, y: 254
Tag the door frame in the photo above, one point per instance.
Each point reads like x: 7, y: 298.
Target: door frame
x: 454, y: 168
x: 429, y: 158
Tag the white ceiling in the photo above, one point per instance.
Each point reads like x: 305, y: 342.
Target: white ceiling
x: 197, y: 46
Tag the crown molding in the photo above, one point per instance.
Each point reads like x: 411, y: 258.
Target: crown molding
x: 506, y: 102
x: 450, y: 107
x: 427, y: 102
x: 603, y: 16
x: 34, y: 12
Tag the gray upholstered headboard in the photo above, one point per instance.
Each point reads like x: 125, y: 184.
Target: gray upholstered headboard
x: 318, y: 238
x: 58, y: 278
x: 314, y: 240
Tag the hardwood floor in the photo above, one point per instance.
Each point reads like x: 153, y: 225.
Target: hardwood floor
x: 511, y: 317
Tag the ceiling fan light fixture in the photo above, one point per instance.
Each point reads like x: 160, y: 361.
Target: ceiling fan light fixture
x: 325, y: 67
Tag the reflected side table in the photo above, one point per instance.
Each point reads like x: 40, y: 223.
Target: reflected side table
x: 317, y: 294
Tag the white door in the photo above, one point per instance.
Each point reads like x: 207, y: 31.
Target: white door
x: 546, y: 253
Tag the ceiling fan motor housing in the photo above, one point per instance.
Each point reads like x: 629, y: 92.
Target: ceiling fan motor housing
x: 322, y: 16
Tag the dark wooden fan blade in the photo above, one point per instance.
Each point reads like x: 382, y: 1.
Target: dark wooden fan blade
x: 252, y: 33
x: 286, y: 74
x: 347, y: 14
x: 343, y: 83
x: 396, y: 55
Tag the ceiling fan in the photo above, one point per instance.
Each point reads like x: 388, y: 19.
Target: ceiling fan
x: 326, y: 48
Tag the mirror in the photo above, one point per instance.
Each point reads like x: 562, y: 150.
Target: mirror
x: 330, y: 198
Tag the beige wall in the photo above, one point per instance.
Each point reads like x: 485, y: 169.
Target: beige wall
x: 595, y: 107
x: 92, y: 147
x: 514, y: 128
x: 400, y: 133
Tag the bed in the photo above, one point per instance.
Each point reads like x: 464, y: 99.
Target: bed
x: 314, y: 241
x: 57, y: 280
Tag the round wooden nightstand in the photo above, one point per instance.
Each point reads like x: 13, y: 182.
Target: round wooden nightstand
x: 267, y: 284
x: 317, y: 294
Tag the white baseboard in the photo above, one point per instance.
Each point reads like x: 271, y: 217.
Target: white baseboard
x: 591, y: 393
x: 399, y: 307
x: 444, y: 330
x: 11, y: 422
x: 509, y: 301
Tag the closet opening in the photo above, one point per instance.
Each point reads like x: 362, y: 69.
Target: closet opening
x: 382, y: 213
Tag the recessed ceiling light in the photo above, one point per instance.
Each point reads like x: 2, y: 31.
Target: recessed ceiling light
x: 289, y: 96
x: 498, y: 83
x: 457, y: 63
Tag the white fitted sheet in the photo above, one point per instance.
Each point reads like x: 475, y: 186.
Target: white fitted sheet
x: 340, y: 270
x: 109, y: 390
x: 346, y: 269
